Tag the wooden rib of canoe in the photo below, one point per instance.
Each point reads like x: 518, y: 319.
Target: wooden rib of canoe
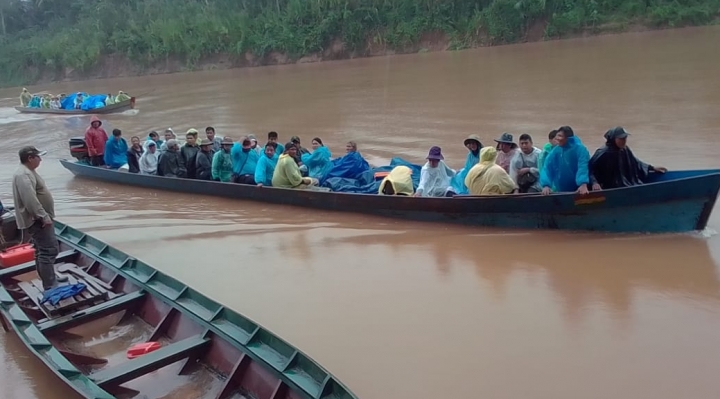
x: 110, y: 109
x: 206, y: 350
x: 674, y: 202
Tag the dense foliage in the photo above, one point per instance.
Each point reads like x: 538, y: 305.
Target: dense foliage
x: 37, y: 35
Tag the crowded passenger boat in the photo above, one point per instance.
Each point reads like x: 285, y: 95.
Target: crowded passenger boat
x: 562, y: 165
x: 76, y: 101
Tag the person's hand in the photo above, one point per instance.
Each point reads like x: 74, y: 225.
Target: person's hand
x: 307, y: 180
x: 47, y: 222
x: 259, y: 184
x: 660, y: 169
x: 416, y: 194
x: 546, y: 191
x: 523, y: 171
x: 596, y: 187
x: 582, y: 190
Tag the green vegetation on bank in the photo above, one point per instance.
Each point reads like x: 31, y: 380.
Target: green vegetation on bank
x: 38, y: 36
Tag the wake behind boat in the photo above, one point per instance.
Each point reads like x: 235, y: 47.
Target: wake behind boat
x: 191, y: 345
x: 674, y: 202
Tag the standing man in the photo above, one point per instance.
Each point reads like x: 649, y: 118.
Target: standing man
x: 34, y: 212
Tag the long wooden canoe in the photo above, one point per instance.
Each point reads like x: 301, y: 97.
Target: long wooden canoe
x: 675, y: 202
x: 207, y: 350
x: 110, y: 109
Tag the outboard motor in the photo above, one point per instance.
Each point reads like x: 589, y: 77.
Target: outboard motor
x: 79, y: 149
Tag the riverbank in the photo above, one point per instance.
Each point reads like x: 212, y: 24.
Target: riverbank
x: 158, y: 36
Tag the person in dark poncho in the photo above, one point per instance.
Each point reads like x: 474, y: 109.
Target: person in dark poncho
x: 615, y: 165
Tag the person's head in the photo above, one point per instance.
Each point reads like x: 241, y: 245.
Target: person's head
x: 291, y: 149
x: 317, y: 143
x: 95, y: 122
x: 154, y: 136
x: 270, y: 149
x: 253, y: 141
x: 152, y: 147
x: 488, y: 155
x: 169, y: 134
x: 551, y: 137
x: 31, y: 157
x: 191, y: 139
x: 505, y: 143
x: 227, y: 144
x: 192, y: 132
x: 135, y: 141
x: 563, y: 134
x: 435, y: 156
x: 351, y: 146
x: 210, y: 133
x: 473, y: 143
x: 206, y: 145
x: 296, y: 140
x: 117, y: 134
x: 617, y: 137
x: 272, y: 137
x: 246, y: 144
x: 526, y: 143
x: 172, y: 145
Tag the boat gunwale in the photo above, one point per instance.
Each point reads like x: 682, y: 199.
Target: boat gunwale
x: 130, y: 104
x: 95, y: 254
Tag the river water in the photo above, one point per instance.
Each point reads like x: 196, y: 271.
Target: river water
x: 411, y: 310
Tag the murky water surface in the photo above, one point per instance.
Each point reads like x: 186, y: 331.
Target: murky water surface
x: 409, y: 310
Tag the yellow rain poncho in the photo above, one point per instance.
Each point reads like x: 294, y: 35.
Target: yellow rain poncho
x: 121, y: 97
x: 487, y: 178
x: 25, y: 97
x: 400, y: 181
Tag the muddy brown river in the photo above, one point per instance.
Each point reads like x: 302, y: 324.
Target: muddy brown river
x: 407, y: 310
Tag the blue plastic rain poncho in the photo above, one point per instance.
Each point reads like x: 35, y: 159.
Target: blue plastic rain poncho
x: 244, y: 162
x: 318, y: 163
x: 458, y: 182
x: 115, y: 152
x: 265, y: 169
x: 566, y: 168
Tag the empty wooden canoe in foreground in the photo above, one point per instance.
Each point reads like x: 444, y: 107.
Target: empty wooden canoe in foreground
x: 110, y: 109
x: 207, y: 350
x: 678, y: 201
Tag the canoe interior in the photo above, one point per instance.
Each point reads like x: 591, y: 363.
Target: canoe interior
x: 676, y: 202
x: 119, y: 107
x: 208, y: 351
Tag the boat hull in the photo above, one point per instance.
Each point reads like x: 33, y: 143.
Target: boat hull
x: 214, y: 339
x: 676, y: 202
x: 110, y: 109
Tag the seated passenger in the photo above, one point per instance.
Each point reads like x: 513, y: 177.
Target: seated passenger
x: 547, y: 148
x: 78, y: 101
x: 155, y: 138
x: 397, y: 182
x: 169, y: 135
x: 319, y: 162
x: 133, y: 155
x: 149, y: 159
x: 45, y: 101
x: 109, y: 99
x: 351, y: 146
x: 524, y: 166
x: 488, y: 178
x: 435, y: 176
x: 244, y: 161
x: 55, y: 103
x: 274, y: 138
x: 566, y: 168
x: 254, y: 145
x: 171, y: 163
x: 25, y: 97
x: 189, y: 151
x: 473, y: 144
x: 203, y: 160
x: 116, y: 150
x: 300, y: 149
x: 615, y: 165
x: 121, y: 97
x: 507, y: 150
x: 287, y: 172
x: 222, y: 167
x: 265, y: 169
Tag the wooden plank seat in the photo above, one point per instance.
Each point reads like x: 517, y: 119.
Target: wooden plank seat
x: 96, y: 291
x: 150, y: 362
x: 79, y: 317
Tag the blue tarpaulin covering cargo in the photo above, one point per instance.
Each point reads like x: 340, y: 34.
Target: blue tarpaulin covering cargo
x: 365, y: 182
x: 93, y: 102
x: 69, y: 101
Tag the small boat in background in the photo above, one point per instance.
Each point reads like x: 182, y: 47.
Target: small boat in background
x: 110, y: 109
x: 186, y: 343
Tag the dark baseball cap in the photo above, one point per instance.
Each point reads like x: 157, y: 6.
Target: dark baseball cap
x: 30, y: 151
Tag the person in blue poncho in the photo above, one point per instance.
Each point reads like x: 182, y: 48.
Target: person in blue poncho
x: 244, y: 161
x: 318, y: 163
x: 473, y: 144
x: 116, y: 150
x: 566, y: 167
x: 266, y: 166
